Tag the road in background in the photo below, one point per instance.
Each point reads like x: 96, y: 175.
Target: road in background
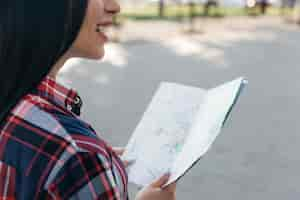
x: 257, y: 154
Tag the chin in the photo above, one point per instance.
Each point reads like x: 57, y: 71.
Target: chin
x: 99, y: 56
x: 100, y: 53
x: 96, y: 55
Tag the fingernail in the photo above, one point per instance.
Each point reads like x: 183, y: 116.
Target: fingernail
x: 129, y: 161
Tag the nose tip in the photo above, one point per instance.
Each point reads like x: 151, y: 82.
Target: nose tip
x: 118, y: 9
x: 114, y: 7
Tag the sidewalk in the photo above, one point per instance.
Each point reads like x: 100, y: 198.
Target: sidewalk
x: 257, y: 154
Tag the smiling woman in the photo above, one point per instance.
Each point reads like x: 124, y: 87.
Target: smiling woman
x: 46, y: 150
x: 90, y: 43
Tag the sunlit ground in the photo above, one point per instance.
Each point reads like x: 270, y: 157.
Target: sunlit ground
x: 172, y: 11
x: 256, y: 155
x: 209, y: 43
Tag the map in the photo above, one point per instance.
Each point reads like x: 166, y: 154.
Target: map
x: 163, y: 131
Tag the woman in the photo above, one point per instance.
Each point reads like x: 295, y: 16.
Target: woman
x: 46, y: 150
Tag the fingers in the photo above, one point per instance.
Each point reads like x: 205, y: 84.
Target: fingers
x: 118, y: 150
x: 161, y: 181
x: 172, y: 187
x: 127, y: 163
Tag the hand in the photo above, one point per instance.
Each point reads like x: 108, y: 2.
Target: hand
x: 119, y: 151
x: 155, y: 192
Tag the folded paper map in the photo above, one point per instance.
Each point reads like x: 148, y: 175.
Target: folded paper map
x: 178, y: 127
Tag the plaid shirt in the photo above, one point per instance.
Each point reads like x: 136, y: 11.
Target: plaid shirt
x: 48, y: 152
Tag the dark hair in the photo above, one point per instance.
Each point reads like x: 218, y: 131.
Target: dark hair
x: 34, y: 34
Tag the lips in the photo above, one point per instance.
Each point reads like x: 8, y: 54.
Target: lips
x: 107, y: 23
x: 103, y: 36
x: 102, y: 29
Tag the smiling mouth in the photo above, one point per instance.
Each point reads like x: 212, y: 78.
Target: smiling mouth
x: 102, y: 33
x: 102, y: 29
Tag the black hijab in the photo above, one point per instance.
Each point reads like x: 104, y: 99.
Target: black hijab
x: 34, y: 34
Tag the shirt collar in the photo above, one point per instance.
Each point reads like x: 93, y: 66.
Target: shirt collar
x: 60, y: 95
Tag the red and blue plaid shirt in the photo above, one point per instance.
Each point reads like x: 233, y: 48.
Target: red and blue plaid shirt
x: 48, y: 152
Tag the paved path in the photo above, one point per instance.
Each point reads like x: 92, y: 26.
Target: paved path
x: 257, y: 155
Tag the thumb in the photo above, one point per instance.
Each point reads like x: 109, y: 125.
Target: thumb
x: 161, y: 181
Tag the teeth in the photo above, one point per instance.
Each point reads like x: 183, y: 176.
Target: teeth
x: 102, y: 29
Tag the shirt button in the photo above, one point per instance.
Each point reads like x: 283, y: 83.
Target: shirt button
x: 77, y: 100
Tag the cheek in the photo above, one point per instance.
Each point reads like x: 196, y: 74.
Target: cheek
x: 88, y: 44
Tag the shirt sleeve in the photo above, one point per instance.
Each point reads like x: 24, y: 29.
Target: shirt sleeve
x: 85, y: 176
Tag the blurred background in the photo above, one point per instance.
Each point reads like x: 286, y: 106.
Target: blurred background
x: 204, y: 43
